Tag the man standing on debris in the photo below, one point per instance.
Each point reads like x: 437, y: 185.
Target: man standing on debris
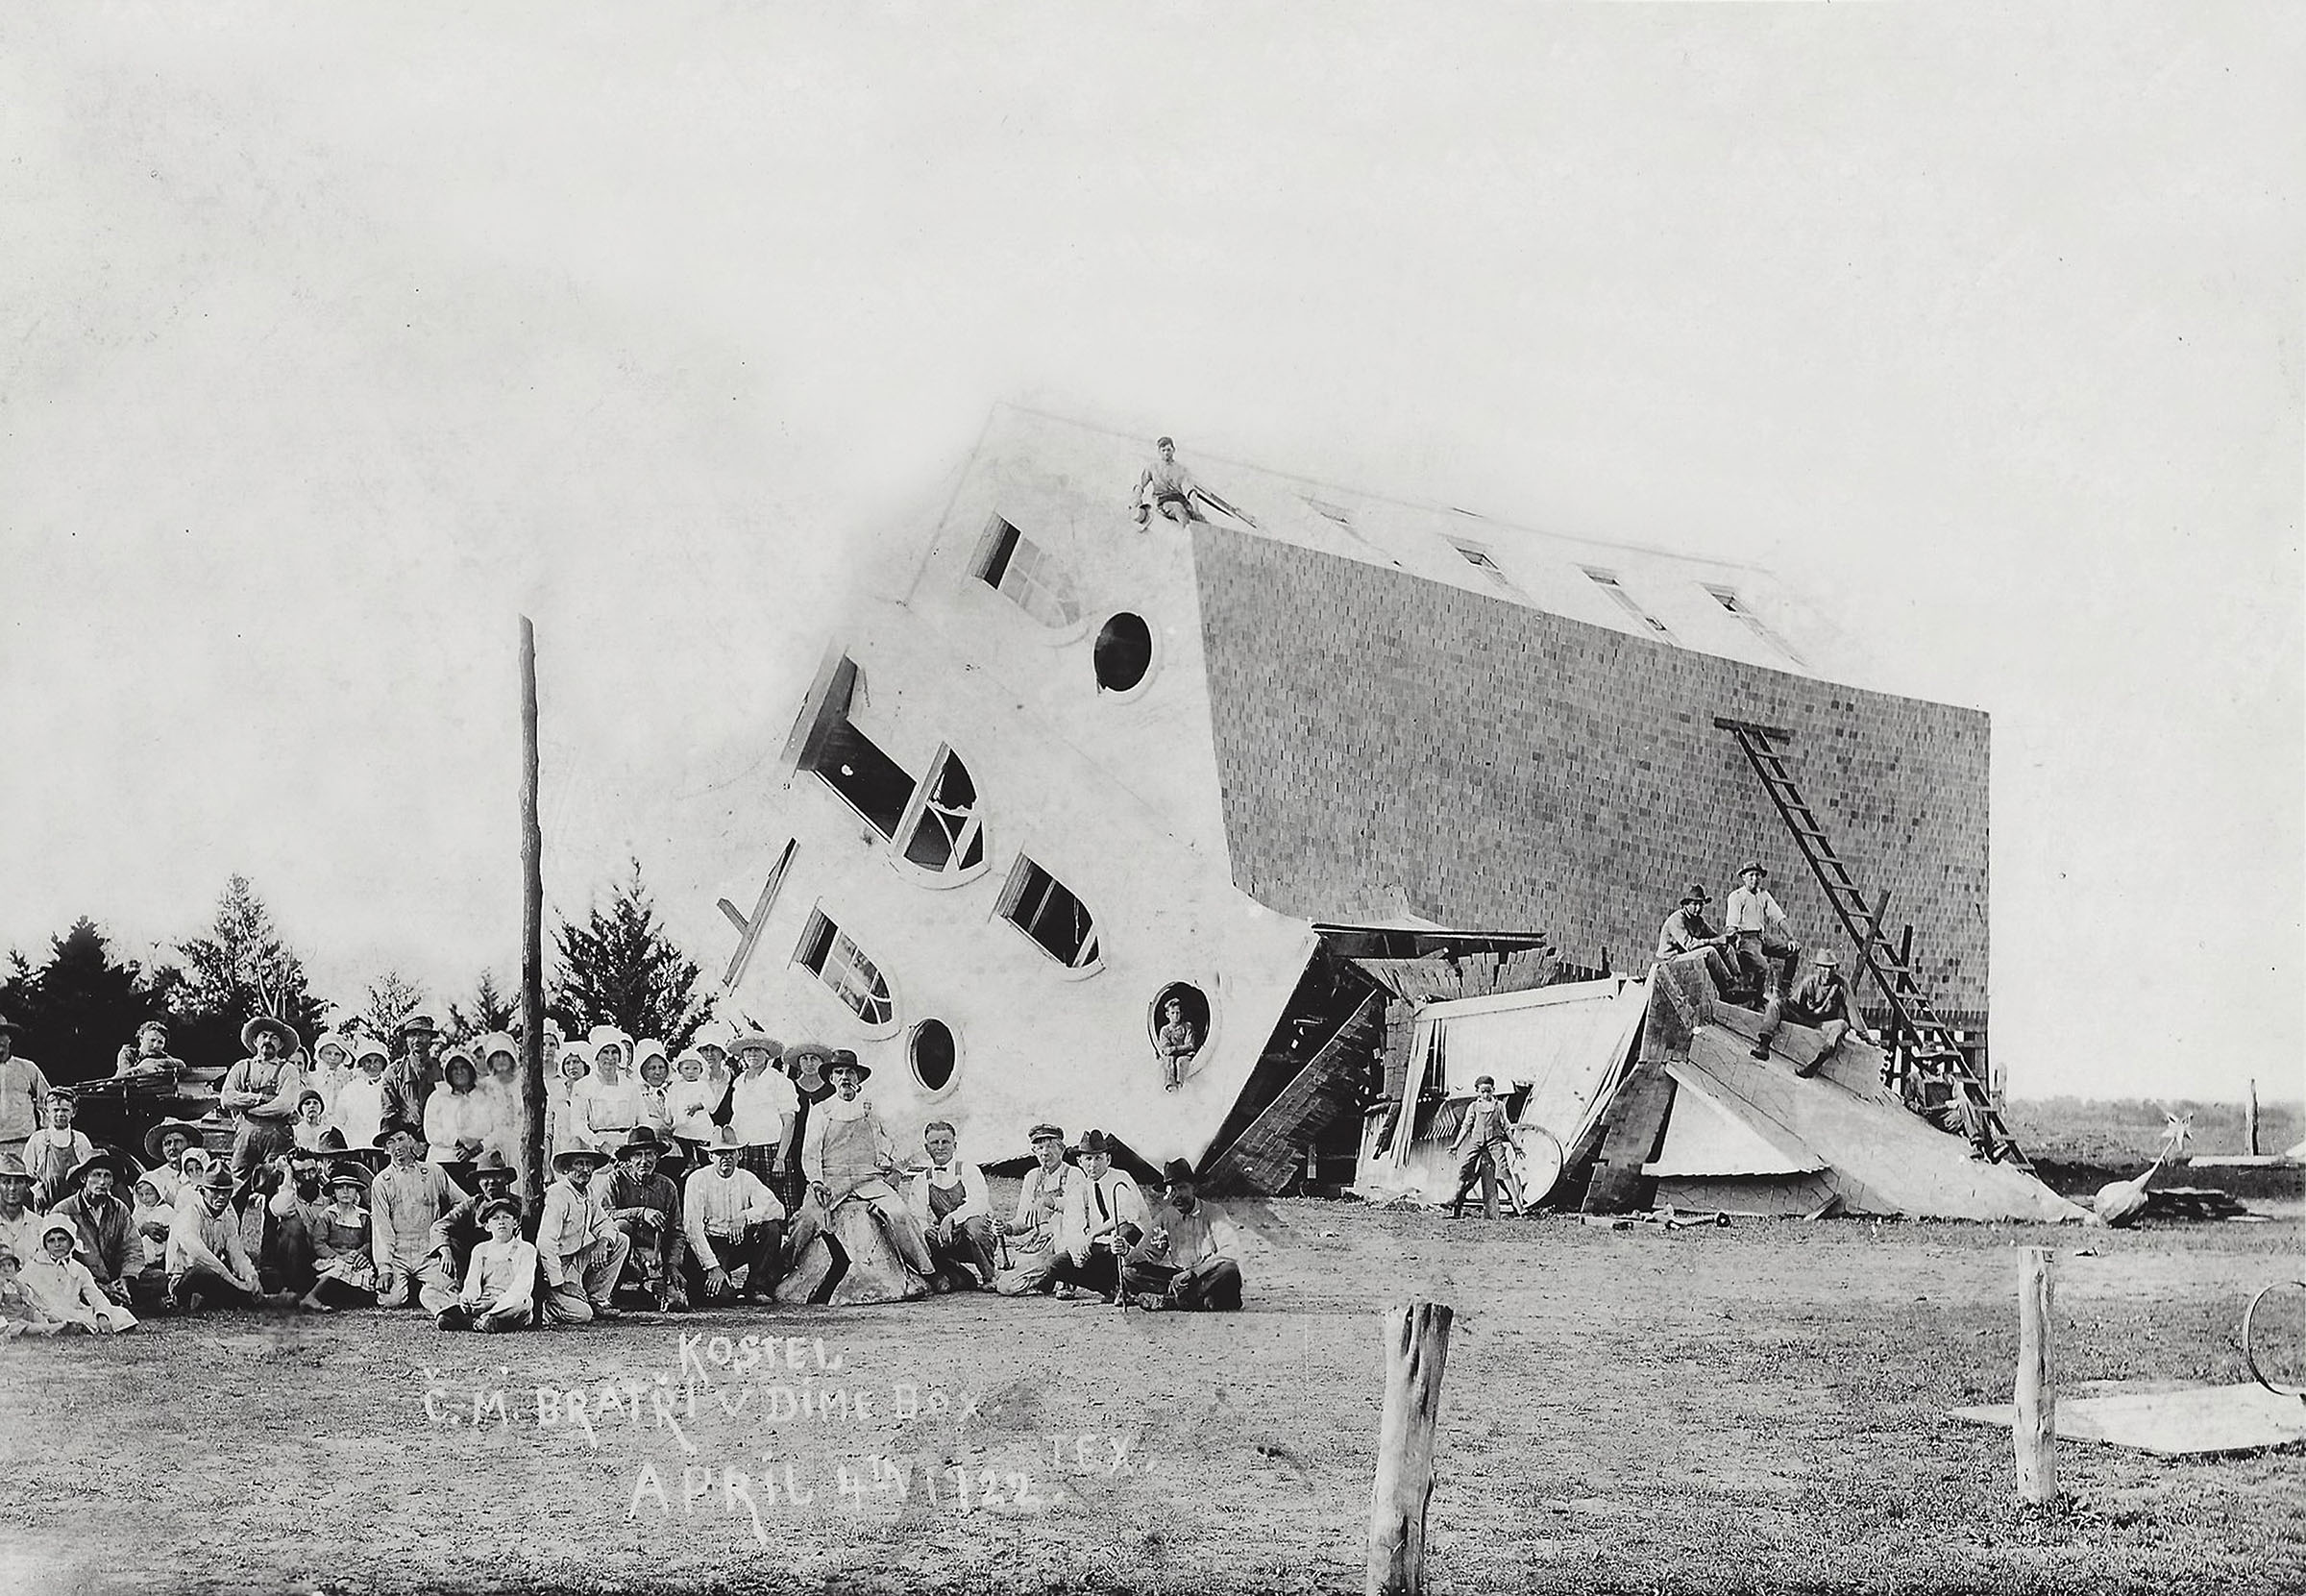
x: 1762, y: 943
x: 1822, y: 998
x: 1686, y: 932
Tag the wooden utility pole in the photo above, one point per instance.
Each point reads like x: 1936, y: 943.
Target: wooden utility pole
x: 1416, y: 1352
x: 2036, y: 1429
x: 2250, y: 1121
x: 532, y: 944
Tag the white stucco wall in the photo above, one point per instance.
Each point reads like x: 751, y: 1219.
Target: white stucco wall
x: 1036, y: 1041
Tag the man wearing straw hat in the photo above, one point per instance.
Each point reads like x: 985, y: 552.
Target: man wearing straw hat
x: 735, y: 1225
x: 205, y: 1259
x: 102, y: 1238
x: 848, y: 1156
x: 1822, y: 999
x: 23, y: 1097
x: 578, y: 1248
x: 260, y: 1093
x: 1762, y: 946
x: 405, y: 1202
x: 1687, y: 933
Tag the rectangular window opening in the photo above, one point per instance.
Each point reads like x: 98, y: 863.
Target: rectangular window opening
x: 1608, y: 582
x: 1481, y: 560
x: 1038, y: 904
x: 848, y: 761
x: 1728, y: 600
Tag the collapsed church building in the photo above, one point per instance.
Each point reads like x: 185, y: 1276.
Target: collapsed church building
x: 1248, y: 831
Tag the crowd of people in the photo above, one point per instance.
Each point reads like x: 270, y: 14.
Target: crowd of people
x: 361, y: 1175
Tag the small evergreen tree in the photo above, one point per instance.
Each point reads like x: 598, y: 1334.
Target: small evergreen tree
x: 621, y: 968
x: 392, y: 997
x: 241, y: 969
x: 82, y: 1005
x: 491, y: 1011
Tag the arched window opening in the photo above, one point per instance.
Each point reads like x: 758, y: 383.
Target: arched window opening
x: 946, y: 837
x: 933, y: 1054
x: 1027, y: 574
x: 826, y: 951
x: 1179, y: 1023
x: 1040, y: 905
x: 1124, y: 653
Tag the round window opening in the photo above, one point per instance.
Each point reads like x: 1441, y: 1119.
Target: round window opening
x: 1124, y: 653
x: 932, y: 1051
x: 1179, y: 1026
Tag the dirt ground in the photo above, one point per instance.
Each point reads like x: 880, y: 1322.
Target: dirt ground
x: 1757, y: 1408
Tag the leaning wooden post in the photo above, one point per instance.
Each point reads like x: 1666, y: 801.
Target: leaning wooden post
x: 2037, y: 1425
x: 2250, y: 1117
x: 533, y: 942
x: 1416, y: 1352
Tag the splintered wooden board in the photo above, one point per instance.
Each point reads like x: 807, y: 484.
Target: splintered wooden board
x: 2181, y: 1423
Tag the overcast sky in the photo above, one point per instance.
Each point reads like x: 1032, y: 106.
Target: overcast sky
x: 330, y: 342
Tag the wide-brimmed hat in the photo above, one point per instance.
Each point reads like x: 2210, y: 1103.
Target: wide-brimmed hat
x: 1046, y: 1132
x: 1750, y: 864
x: 10, y: 1026
x: 639, y: 1138
x: 601, y: 1036
x: 217, y: 1179
x: 290, y: 1041
x: 418, y: 1023
x: 348, y: 1171
x: 1826, y: 959
x: 502, y: 1205
x: 151, y: 1138
x: 576, y: 1149
x: 1695, y: 892
x: 722, y: 1141
x: 1094, y: 1142
x: 12, y: 1167
x: 843, y: 1059
x: 391, y: 1128
x: 806, y: 1063
x: 495, y: 1043
x: 736, y: 1046
x: 369, y: 1047
x: 103, y: 1157
x: 1176, y: 1171
x: 713, y: 1033
x: 331, y: 1141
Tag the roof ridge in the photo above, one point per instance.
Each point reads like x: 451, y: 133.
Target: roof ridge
x: 1396, y: 500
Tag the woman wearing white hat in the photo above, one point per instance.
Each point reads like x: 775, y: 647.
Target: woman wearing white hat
x: 607, y: 1103
x: 359, y: 1107
x: 455, y: 1114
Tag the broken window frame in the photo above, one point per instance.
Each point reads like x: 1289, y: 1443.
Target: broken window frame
x: 967, y: 857
x: 847, y: 971
x: 1027, y: 574
x: 1728, y: 599
x: 1032, y: 907
x: 1608, y: 582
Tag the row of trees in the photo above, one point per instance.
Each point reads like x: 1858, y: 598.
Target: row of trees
x: 78, y: 1006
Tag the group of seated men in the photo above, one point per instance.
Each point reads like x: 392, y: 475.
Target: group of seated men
x: 1753, y: 958
x: 324, y: 1226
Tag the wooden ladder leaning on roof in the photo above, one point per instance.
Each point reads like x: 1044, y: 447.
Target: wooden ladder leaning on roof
x: 1911, y: 1011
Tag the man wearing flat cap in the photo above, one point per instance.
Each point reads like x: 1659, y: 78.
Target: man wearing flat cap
x: 1821, y: 999
x: 260, y: 1093
x: 1187, y: 1258
x: 1687, y: 934
x: 1042, y: 1203
x: 23, y: 1097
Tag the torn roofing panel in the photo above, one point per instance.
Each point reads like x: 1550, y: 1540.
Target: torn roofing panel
x: 1713, y: 1132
